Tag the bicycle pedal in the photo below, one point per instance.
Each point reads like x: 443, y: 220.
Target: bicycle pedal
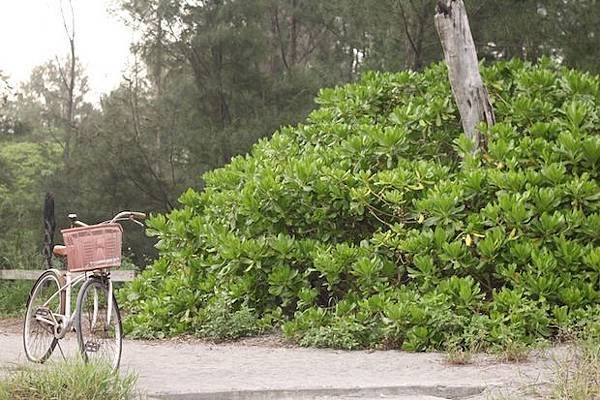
x: 42, y: 312
x: 91, y: 347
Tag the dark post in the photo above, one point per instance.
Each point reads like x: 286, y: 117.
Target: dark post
x: 49, y: 228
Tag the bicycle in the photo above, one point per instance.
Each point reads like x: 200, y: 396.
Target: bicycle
x: 91, y: 251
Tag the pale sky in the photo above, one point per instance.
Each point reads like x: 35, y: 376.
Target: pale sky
x: 32, y: 32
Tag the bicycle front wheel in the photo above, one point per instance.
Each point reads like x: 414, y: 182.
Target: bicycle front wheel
x: 46, y: 303
x: 99, y: 332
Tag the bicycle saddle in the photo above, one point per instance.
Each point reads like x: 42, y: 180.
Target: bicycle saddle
x: 60, y: 250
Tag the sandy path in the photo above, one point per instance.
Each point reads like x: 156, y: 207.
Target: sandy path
x: 178, y: 368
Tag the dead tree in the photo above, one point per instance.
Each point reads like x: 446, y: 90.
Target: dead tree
x: 470, y: 94
x: 68, y: 79
x: 49, y: 228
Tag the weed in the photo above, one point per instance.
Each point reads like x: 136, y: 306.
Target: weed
x: 221, y: 322
x: 13, y: 297
x: 456, y: 355
x: 70, y: 380
x: 513, y: 351
x: 578, y: 377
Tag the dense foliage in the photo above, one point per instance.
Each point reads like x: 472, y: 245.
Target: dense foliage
x: 373, y: 225
x: 25, y: 168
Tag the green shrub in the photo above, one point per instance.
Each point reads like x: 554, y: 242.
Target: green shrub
x: 71, y: 380
x: 373, y: 225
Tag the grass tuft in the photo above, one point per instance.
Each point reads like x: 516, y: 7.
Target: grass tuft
x: 458, y: 356
x: 70, y: 380
x: 513, y: 352
x: 578, y: 377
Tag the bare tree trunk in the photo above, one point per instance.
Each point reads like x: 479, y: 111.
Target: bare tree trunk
x: 70, y: 81
x: 71, y: 100
x: 158, y: 82
x: 294, y: 34
x: 49, y: 228
x: 469, y: 92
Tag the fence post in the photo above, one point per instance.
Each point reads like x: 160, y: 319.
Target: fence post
x: 49, y: 228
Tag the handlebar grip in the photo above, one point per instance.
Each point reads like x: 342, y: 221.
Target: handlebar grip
x: 140, y: 215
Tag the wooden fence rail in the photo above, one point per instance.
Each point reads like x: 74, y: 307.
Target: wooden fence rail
x: 24, y: 274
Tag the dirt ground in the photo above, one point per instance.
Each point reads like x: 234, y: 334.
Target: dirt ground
x: 11, y: 326
x: 269, y: 368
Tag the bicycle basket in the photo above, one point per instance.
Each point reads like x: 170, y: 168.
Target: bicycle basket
x: 93, y: 247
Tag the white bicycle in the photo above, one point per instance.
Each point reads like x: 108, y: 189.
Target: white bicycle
x: 91, y: 252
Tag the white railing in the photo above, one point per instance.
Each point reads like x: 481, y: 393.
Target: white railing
x: 32, y: 275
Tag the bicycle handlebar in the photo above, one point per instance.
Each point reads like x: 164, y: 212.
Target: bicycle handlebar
x: 128, y: 215
x: 134, y: 216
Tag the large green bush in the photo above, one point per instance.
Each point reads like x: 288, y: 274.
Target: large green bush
x: 372, y: 225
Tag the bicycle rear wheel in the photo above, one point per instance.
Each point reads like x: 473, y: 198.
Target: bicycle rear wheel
x: 100, y: 339
x: 44, y: 301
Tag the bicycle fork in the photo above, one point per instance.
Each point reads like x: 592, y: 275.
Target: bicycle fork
x: 109, y: 305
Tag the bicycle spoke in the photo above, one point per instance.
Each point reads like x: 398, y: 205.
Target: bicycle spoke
x: 61, y: 350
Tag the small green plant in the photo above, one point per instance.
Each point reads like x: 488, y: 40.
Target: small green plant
x: 343, y: 333
x: 69, y: 380
x: 458, y: 355
x: 221, y: 322
x: 513, y: 351
x: 13, y: 297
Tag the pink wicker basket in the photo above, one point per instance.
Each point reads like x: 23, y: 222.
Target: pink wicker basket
x: 93, y: 247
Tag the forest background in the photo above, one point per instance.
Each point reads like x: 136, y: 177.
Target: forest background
x: 211, y: 79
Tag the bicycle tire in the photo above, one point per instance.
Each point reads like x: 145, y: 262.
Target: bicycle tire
x: 35, y: 329
x: 95, y: 339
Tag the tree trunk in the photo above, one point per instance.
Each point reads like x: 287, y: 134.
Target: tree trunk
x: 71, y: 103
x: 69, y: 82
x: 470, y: 94
x: 49, y: 228
x: 158, y: 82
x: 294, y: 34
